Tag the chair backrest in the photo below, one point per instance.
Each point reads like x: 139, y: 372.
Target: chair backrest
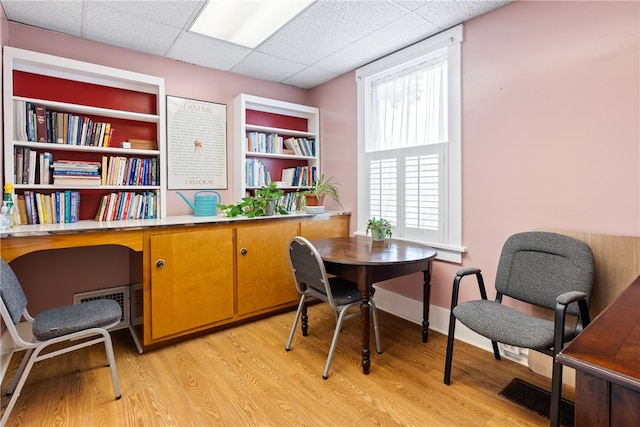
x: 308, y: 269
x: 537, y: 266
x: 11, y: 293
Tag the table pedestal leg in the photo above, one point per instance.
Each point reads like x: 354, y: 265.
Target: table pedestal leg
x: 426, y: 301
x: 364, y: 285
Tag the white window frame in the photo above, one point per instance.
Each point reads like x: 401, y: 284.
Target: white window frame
x: 450, y: 248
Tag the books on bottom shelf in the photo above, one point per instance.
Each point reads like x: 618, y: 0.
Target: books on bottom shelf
x: 55, y: 208
x: 126, y: 205
x: 291, y: 202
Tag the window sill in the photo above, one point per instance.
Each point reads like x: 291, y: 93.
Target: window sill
x: 448, y: 253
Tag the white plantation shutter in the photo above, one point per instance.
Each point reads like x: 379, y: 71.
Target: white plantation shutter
x: 383, y: 189
x: 408, y: 190
x: 423, y: 196
x: 409, y: 131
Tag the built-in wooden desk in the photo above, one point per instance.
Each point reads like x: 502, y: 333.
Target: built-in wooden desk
x: 606, y: 357
x: 242, y: 266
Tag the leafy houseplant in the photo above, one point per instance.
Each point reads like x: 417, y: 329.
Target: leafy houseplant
x: 264, y: 203
x: 314, y: 195
x: 380, y: 228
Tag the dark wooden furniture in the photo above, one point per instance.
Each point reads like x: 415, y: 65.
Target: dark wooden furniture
x: 361, y: 260
x: 606, y: 357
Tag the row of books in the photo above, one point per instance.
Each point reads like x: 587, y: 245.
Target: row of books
x: 256, y: 173
x: 55, y: 208
x: 301, y: 146
x: 300, y: 176
x: 127, y: 205
x: 31, y: 167
x: 291, y: 202
x: 36, y: 123
x: 120, y: 170
x: 76, y: 172
x: 259, y: 142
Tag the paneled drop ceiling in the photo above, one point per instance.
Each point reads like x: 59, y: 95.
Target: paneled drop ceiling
x: 327, y: 39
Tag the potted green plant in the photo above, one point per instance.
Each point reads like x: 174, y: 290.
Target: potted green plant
x: 380, y: 229
x: 270, y: 195
x: 265, y: 202
x: 314, y: 195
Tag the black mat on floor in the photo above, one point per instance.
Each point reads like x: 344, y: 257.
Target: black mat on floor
x: 537, y: 400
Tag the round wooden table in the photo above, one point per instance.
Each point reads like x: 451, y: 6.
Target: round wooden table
x: 365, y: 262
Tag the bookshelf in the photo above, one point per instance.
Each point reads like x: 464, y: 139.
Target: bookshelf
x: 83, y: 114
x: 273, y: 138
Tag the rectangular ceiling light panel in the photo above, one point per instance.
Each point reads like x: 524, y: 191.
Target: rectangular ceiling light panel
x: 246, y: 22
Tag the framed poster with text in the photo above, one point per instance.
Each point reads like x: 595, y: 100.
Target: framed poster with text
x: 196, y: 144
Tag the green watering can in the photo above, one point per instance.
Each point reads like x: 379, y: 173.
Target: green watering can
x: 205, y: 202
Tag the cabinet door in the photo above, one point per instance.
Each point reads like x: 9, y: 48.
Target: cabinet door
x: 191, y: 280
x: 264, y: 273
x: 335, y: 226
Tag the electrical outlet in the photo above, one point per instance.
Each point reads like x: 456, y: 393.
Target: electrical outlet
x: 512, y: 352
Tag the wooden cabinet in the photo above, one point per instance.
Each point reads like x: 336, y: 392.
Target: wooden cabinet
x: 215, y: 275
x: 264, y: 273
x: 191, y: 280
x: 333, y: 226
x: 264, y: 131
x: 57, y: 109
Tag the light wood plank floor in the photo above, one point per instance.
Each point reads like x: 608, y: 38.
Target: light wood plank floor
x: 243, y: 377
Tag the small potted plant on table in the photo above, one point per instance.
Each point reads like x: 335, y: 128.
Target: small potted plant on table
x: 380, y: 229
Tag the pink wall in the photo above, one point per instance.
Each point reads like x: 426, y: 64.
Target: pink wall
x: 182, y: 80
x: 551, y: 123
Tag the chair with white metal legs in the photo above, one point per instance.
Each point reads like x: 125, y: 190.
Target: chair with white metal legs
x: 72, y: 324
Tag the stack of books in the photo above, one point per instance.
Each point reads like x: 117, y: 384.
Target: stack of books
x: 76, y: 173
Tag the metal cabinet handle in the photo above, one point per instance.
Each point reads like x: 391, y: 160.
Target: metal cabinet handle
x: 160, y: 263
x: 244, y: 251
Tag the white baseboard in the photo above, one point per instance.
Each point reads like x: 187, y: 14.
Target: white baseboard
x: 411, y: 310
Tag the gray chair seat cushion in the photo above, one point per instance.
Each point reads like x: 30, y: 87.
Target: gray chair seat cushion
x: 506, y: 325
x: 73, y: 318
x: 344, y: 292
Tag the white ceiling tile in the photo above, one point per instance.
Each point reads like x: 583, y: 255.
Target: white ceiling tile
x: 412, y: 4
x: 267, y: 67
x: 327, y: 39
x: 327, y: 26
x: 447, y: 13
x: 177, y: 13
x: 206, y: 51
x: 403, y: 32
x: 64, y: 17
x: 111, y: 26
x: 310, y: 77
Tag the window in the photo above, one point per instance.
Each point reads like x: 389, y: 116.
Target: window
x: 409, y: 127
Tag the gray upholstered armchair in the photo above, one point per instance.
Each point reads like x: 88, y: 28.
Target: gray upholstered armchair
x: 545, y: 269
